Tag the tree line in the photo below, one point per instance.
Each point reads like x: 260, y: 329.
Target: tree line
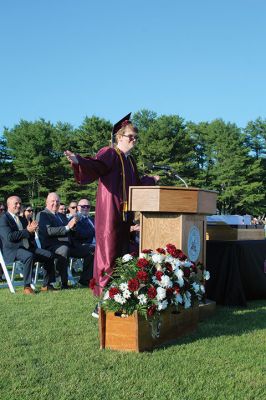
x: 213, y: 155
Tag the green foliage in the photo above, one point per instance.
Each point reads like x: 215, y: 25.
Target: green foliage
x: 225, y: 165
x: 30, y: 147
x: 93, y: 134
x: 212, y: 155
x: 166, y: 141
x: 6, y: 169
x: 143, y: 119
x: 256, y: 137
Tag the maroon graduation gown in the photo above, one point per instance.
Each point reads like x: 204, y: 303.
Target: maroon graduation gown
x: 112, y: 233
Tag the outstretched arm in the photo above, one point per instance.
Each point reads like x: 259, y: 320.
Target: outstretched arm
x: 87, y: 170
x: 71, y: 157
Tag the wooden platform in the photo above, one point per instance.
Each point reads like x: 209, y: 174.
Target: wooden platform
x: 135, y: 333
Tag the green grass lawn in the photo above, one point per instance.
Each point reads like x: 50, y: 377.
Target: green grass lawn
x: 50, y: 350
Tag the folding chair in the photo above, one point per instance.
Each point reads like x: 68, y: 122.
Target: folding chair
x: 75, y: 264
x: 6, y: 273
x: 38, y: 266
x: 71, y: 278
x: 17, y: 267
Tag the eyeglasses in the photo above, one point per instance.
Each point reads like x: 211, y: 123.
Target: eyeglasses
x: 73, y: 207
x: 131, y: 137
x: 84, y: 206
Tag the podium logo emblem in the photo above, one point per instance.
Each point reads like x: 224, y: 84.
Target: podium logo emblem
x: 193, y: 244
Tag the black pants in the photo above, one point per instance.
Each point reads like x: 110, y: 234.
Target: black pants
x: 84, y: 250
x: 62, y: 253
x: 29, y: 256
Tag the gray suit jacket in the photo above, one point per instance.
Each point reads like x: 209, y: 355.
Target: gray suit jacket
x: 52, y: 231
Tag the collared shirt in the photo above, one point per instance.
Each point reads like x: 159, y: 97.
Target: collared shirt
x: 25, y: 241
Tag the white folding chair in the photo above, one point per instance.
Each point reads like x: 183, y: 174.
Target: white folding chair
x: 17, y: 268
x: 75, y: 264
x: 38, y: 266
x: 6, y: 273
x: 71, y: 278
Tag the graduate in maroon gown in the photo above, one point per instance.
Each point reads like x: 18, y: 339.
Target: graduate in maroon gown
x: 116, y: 170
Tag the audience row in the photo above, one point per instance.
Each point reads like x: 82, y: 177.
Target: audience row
x: 51, y: 238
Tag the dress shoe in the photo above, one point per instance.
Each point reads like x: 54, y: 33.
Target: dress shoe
x: 64, y: 287
x: 28, y: 290
x: 95, y: 312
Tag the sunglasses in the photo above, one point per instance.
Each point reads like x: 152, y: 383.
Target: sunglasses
x: 2, y: 209
x: 131, y: 137
x: 29, y: 210
x: 84, y: 206
x: 73, y: 207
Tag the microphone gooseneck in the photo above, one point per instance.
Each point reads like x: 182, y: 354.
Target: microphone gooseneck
x: 170, y: 171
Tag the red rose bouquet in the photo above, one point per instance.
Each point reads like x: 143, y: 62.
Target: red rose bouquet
x: 153, y: 282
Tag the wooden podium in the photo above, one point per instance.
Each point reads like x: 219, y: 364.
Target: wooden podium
x: 173, y: 215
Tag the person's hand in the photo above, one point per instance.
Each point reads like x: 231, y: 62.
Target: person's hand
x: 156, y: 178
x: 72, y: 223
x: 32, y: 226
x: 71, y: 157
x: 135, y: 228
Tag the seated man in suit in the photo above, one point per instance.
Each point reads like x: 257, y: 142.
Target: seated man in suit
x: 55, y: 235
x: 83, y: 240
x: 17, y: 237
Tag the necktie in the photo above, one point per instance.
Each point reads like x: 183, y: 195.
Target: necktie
x: 25, y: 241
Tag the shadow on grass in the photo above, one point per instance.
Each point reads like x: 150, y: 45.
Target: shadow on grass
x: 229, y: 321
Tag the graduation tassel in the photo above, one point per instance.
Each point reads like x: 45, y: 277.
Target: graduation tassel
x: 125, y: 209
x: 124, y: 194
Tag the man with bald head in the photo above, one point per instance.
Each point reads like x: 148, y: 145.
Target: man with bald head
x: 55, y: 235
x: 17, y: 237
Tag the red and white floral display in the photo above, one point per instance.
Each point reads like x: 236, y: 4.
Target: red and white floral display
x: 153, y: 282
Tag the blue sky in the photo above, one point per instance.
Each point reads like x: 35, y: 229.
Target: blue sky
x: 64, y: 59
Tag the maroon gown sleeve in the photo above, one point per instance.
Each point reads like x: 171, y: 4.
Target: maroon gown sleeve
x: 90, y: 169
x: 147, y: 181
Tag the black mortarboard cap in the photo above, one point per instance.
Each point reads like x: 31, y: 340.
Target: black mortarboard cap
x: 118, y: 126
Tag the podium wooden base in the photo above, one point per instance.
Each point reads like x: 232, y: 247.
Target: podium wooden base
x: 135, y: 333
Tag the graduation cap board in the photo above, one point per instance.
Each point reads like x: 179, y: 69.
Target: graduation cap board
x: 118, y: 126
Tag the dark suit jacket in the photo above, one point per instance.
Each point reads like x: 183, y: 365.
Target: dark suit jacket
x: 11, y: 237
x: 52, y: 231
x: 84, y: 231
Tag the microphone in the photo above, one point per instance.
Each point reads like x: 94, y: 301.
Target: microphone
x: 161, y: 167
x: 167, y: 168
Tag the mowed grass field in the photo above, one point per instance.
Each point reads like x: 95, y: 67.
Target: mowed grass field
x: 50, y: 350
